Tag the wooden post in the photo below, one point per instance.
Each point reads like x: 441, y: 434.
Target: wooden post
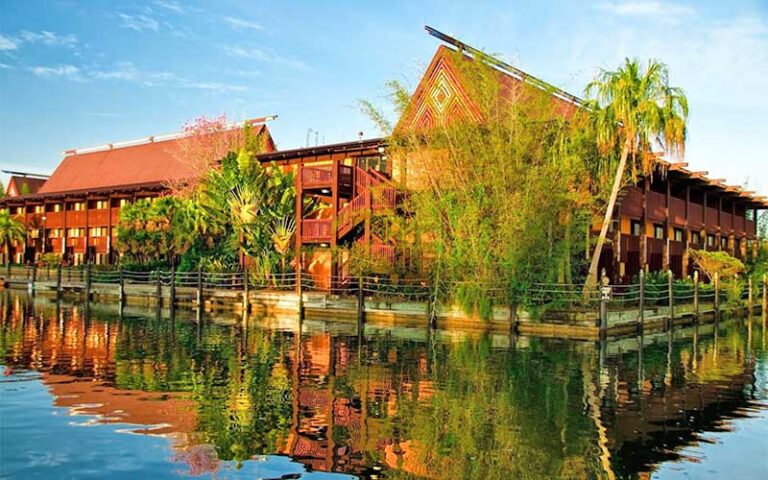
x: 696, y: 295
x: 749, y: 295
x: 58, y: 281
x: 121, y: 287
x: 199, y: 288
x: 765, y: 296
x: 246, y: 293
x: 717, y: 293
x: 671, y: 291
x: 360, y: 303
x: 300, y: 290
x: 88, y: 281
x: 173, y: 286
x: 642, y: 299
x: 603, y: 305
x: 159, y: 286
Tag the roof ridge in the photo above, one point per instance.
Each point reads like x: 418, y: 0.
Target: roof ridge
x: 159, y: 138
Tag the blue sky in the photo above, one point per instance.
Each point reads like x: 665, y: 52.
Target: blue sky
x: 74, y: 74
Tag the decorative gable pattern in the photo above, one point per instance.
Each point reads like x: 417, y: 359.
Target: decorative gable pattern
x: 439, y: 98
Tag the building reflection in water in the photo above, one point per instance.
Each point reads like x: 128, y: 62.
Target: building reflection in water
x: 401, y: 401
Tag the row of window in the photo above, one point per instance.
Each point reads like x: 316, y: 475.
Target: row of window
x: 679, y: 235
x: 71, y: 206
x: 77, y: 232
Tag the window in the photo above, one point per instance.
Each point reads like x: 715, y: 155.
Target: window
x: 34, y: 233
x: 56, y: 207
x: 723, y: 242
x: 696, y: 238
x: 74, y: 232
x: 124, y: 202
x: 77, y: 206
x: 39, y: 208
x: 679, y: 235
x: 98, y: 232
x: 658, y: 232
x: 54, y: 233
x: 19, y: 210
x: 710, y: 240
x: 737, y: 245
x: 636, y: 228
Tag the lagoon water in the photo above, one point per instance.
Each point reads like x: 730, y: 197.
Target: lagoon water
x: 90, y: 393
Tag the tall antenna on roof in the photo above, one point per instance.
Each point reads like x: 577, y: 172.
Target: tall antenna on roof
x: 505, y: 67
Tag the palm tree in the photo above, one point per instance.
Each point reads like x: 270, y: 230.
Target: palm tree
x: 11, y: 231
x: 634, y: 108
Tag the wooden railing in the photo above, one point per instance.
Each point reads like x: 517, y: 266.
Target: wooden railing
x: 351, y: 213
x: 383, y: 253
x: 750, y: 228
x: 316, y: 230
x: 316, y: 176
x: 726, y: 222
x: 384, y: 198
x: 656, y: 203
x: 712, y: 219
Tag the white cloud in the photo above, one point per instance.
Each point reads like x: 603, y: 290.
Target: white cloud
x: 49, y: 38
x: 242, y: 24
x: 647, y: 9
x: 69, y: 71
x: 245, y: 73
x: 138, y: 22
x: 170, y: 5
x: 264, y: 56
x: 7, y: 43
x: 5, y: 66
x: 214, y: 86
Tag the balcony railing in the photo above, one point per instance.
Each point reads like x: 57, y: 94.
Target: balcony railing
x: 316, y: 230
x: 314, y: 177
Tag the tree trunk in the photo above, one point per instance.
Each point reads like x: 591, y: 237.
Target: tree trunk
x: 591, y: 280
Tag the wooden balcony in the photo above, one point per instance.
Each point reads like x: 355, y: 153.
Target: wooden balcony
x: 316, y: 230
x: 739, y: 225
x: 316, y: 177
x: 677, y: 211
x: 114, y: 212
x: 695, y: 216
x: 77, y: 244
x: 100, y: 244
x: 750, y: 228
x: 98, y: 217
x: 726, y: 222
x: 75, y: 218
x: 656, y: 203
x: 54, y: 219
x: 632, y: 203
x: 712, y: 219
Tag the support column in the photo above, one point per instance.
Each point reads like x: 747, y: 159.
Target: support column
x: 687, y: 232
x: 299, y: 217
x: 667, y: 246
x: 334, y: 223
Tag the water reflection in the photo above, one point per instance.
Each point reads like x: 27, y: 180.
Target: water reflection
x: 393, y: 403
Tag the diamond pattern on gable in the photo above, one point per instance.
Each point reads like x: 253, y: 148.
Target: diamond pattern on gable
x: 442, y: 93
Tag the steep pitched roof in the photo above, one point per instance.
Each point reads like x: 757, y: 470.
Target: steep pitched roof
x: 441, y: 95
x: 151, y: 161
x: 21, y: 185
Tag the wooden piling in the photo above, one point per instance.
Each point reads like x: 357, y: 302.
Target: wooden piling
x: 120, y: 287
x: 360, y: 303
x: 749, y: 295
x: 696, y: 295
x: 173, y: 286
x: 671, y: 292
x: 642, y: 300
x: 58, y: 281
x: 246, y: 293
x: 603, y: 305
x: 88, y: 282
x: 300, y: 292
x: 159, y: 288
x: 765, y: 297
x: 200, y: 289
x: 716, y: 281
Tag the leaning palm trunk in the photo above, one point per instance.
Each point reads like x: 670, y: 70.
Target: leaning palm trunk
x: 591, y: 281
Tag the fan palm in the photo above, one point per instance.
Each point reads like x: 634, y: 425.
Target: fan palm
x: 636, y: 109
x: 11, y: 231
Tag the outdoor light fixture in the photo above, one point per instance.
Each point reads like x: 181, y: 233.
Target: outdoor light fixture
x: 325, y: 191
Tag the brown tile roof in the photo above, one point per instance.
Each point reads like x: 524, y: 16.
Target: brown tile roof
x: 147, y: 162
x: 20, y: 185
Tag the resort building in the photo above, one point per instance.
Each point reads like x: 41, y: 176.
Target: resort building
x: 656, y: 223
x: 75, y: 212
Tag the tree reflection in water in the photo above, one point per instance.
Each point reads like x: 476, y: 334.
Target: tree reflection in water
x: 402, y: 403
